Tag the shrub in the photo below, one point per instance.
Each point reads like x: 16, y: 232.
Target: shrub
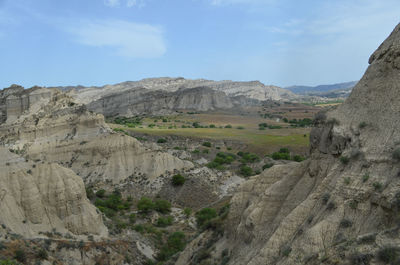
x: 42, y: 254
x: 240, y: 127
x: 286, y: 251
x: 100, y: 193
x: 246, y: 171
x: 298, y: 158
x: 145, y: 205
x: 178, y: 180
x: 187, y: 211
x: 164, y: 221
x: 161, y: 141
x: 205, y: 215
x: 176, y: 242
x: 90, y: 193
x: 132, y: 218
x: 365, y: 178
x: 377, y: 186
x: 212, y: 126
x: 162, y: 206
x: 248, y: 157
x: 228, y: 126
x: 353, y: 204
x: 331, y: 206
x: 20, y: 255
x: 388, y: 254
x: 347, y: 180
x: 268, y: 165
x: 280, y: 156
x: 362, y: 125
x: 396, y: 154
x: 207, y: 144
x: 345, y: 223
x: 325, y: 198
x: 284, y: 150
x: 345, y: 160
x: 367, y: 239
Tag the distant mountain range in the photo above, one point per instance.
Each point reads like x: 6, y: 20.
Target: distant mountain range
x: 321, y: 89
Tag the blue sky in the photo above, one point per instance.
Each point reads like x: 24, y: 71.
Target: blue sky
x: 280, y: 42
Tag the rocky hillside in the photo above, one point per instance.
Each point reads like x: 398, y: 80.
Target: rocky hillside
x: 341, y: 206
x: 166, y: 95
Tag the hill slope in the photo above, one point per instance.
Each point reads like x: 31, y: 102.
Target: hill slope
x: 341, y: 206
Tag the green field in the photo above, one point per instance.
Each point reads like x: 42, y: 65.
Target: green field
x: 261, y: 142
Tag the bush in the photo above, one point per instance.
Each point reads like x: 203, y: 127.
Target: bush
x: 325, y: 198
x: 388, y: 254
x: 145, y: 204
x: 164, y: 221
x: 221, y: 159
x: 205, y: 215
x: 360, y: 258
x: 212, y: 126
x: 280, y: 156
x: 100, y: 193
x: 345, y: 160
x: 176, y: 242
x: 161, y: 141
x: 240, y: 127
x: 365, y: 178
x: 362, y: 125
x: 248, y: 157
x: 345, y: 223
x: 162, y: 206
x: 132, y: 218
x: 377, y: 186
x: 178, y: 180
x: 347, y: 180
x: 396, y: 154
x: 284, y: 150
x: 228, y: 126
x: 42, y: 254
x: 331, y: 206
x: 298, y: 158
x: 246, y: 171
x: 268, y: 165
x: 20, y: 255
x: 187, y: 211
x: 207, y: 144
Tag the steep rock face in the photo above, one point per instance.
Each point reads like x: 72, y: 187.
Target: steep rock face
x: 40, y: 197
x: 165, y: 95
x: 133, y: 102
x: 15, y: 100
x: 323, y: 209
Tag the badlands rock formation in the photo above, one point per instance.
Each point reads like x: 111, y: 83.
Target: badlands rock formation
x: 42, y: 197
x: 341, y: 206
x: 49, y: 145
x: 65, y: 133
x: 165, y: 95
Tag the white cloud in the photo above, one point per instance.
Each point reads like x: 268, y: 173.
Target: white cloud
x: 127, y: 39
x: 135, y: 3
x: 112, y: 3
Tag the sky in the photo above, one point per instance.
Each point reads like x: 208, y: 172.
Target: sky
x: 279, y: 42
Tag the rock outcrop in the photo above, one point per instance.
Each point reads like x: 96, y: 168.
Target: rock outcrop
x: 43, y: 197
x: 342, y: 204
x: 166, y: 95
x: 66, y: 133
